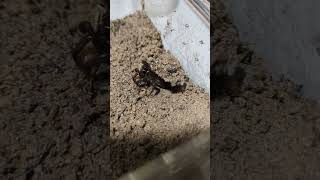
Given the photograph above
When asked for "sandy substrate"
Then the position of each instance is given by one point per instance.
(269, 131)
(144, 126)
(52, 126)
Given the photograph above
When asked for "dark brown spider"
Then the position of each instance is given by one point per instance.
(146, 77)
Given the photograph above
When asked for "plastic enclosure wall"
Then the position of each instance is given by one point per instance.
(183, 33)
(286, 34)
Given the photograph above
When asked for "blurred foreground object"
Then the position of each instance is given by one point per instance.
(190, 161)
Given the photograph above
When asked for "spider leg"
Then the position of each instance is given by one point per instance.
(154, 89)
(141, 83)
(157, 90)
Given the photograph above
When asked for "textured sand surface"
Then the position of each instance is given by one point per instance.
(52, 126)
(144, 126)
(268, 131)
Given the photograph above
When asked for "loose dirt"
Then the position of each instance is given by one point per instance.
(143, 125)
(268, 131)
(52, 126)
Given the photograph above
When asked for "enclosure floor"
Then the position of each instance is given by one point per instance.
(267, 132)
(143, 125)
(51, 125)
